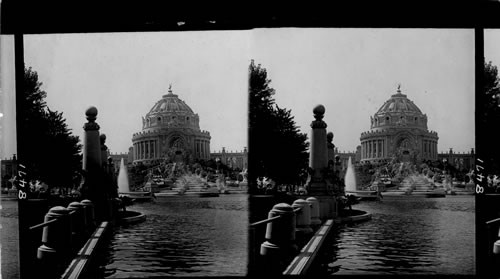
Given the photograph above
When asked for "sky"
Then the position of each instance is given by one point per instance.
(125, 74)
(491, 44)
(8, 145)
(352, 72)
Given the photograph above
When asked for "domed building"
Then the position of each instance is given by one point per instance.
(170, 131)
(398, 129)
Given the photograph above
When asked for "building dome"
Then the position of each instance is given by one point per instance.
(170, 103)
(399, 103)
(398, 130)
(169, 112)
(399, 111)
(170, 131)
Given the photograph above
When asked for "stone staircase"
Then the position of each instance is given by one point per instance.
(421, 184)
(190, 183)
(407, 185)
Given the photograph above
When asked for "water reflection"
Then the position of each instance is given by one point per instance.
(417, 236)
(183, 236)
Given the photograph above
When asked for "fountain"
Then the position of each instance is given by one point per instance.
(350, 185)
(124, 187)
(350, 178)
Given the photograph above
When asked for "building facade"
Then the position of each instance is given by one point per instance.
(461, 161)
(232, 159)
(117, 159)
(8, 170)
(398, 130)
(170, 131)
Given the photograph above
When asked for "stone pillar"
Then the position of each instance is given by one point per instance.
(150, 148)
(94, 187)
(208, 150)
(139, 150)
(203, 149)
(91, 142)
(318, 158)
(365, 150)
(382, 143)
(198, 149)
(318, 162)
(143, 147)
(369, 149)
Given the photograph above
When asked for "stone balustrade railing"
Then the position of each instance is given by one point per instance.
(289, 227)
(65, 231)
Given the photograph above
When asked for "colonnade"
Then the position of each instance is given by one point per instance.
(147, 149)
(150, 149)
(373, 149)
(429, 148)
(202, 148)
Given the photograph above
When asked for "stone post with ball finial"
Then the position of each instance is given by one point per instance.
(318, 163)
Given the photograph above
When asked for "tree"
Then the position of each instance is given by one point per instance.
(277, 149)
(488, 110)
(45, 143)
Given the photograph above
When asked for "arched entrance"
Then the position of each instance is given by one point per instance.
(405, 156)
(406, 149)
(177, 149)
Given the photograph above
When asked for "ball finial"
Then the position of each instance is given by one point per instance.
(91, 113)
(337, 158)
(329, 136)
(319, 111)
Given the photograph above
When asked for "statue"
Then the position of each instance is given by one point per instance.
(331, 149)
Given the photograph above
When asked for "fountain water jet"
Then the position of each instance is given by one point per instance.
(350, 185)
(350, 177)
(123, 185)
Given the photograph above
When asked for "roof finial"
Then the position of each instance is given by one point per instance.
(399, 88)
(170, 89)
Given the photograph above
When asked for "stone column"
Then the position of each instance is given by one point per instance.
(382, 143)
(143, 147)
(92, 144)
(370, 149)
(150, 149)
(139, 150)
(318, 162)
(205, 149)
(208, 150)
(94, 188)
(364, 150)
